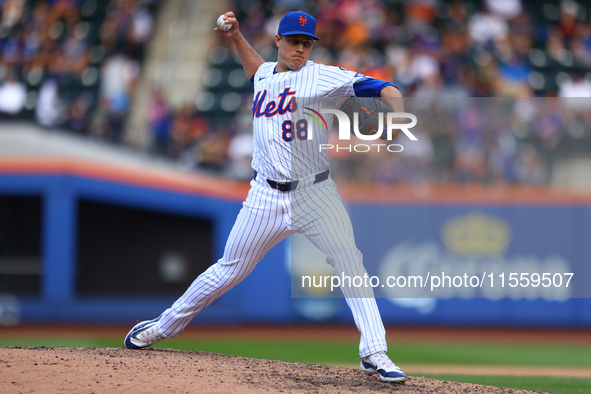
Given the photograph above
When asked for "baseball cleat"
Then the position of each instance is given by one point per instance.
(381, 364)
(143, 334)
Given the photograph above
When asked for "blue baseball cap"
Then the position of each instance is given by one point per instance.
(297, 22)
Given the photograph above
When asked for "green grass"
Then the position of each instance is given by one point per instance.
(474, 354)
(551, 385)
(72, 341)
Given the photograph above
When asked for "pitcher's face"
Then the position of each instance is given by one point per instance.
(294, 51)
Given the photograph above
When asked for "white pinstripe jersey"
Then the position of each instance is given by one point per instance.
(314, 86)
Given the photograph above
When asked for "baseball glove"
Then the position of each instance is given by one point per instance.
(368, 118)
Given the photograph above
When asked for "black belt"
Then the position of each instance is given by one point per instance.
(289, 186)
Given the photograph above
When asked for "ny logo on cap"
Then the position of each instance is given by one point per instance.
(303, 20)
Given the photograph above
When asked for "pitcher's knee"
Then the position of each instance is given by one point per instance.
(229, 273)
(350, 256)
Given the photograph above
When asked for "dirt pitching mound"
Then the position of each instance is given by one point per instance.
(111, 370)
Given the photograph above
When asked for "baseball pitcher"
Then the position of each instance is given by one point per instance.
(291, 190)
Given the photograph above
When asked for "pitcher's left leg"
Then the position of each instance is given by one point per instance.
(325, 222)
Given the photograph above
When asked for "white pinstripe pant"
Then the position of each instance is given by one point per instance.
(267, 217)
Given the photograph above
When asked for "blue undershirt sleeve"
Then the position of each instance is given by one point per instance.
(370, 87)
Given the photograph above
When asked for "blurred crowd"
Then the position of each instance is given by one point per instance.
(521, 49)
(466, 140)
(73, 63)
(430, 48)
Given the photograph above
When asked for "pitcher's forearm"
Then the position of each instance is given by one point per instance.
(392, 97)
(251, 60)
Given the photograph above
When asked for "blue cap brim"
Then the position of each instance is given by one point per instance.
(303, 33)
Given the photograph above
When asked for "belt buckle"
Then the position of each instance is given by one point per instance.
(284, 186)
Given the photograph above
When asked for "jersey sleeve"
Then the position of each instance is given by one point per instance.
(337, 81)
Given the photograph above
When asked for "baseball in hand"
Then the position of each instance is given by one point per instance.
(223, 25)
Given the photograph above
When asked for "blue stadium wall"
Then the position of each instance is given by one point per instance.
(560, 231)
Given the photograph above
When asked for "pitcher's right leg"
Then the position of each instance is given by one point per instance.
(260, 225)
